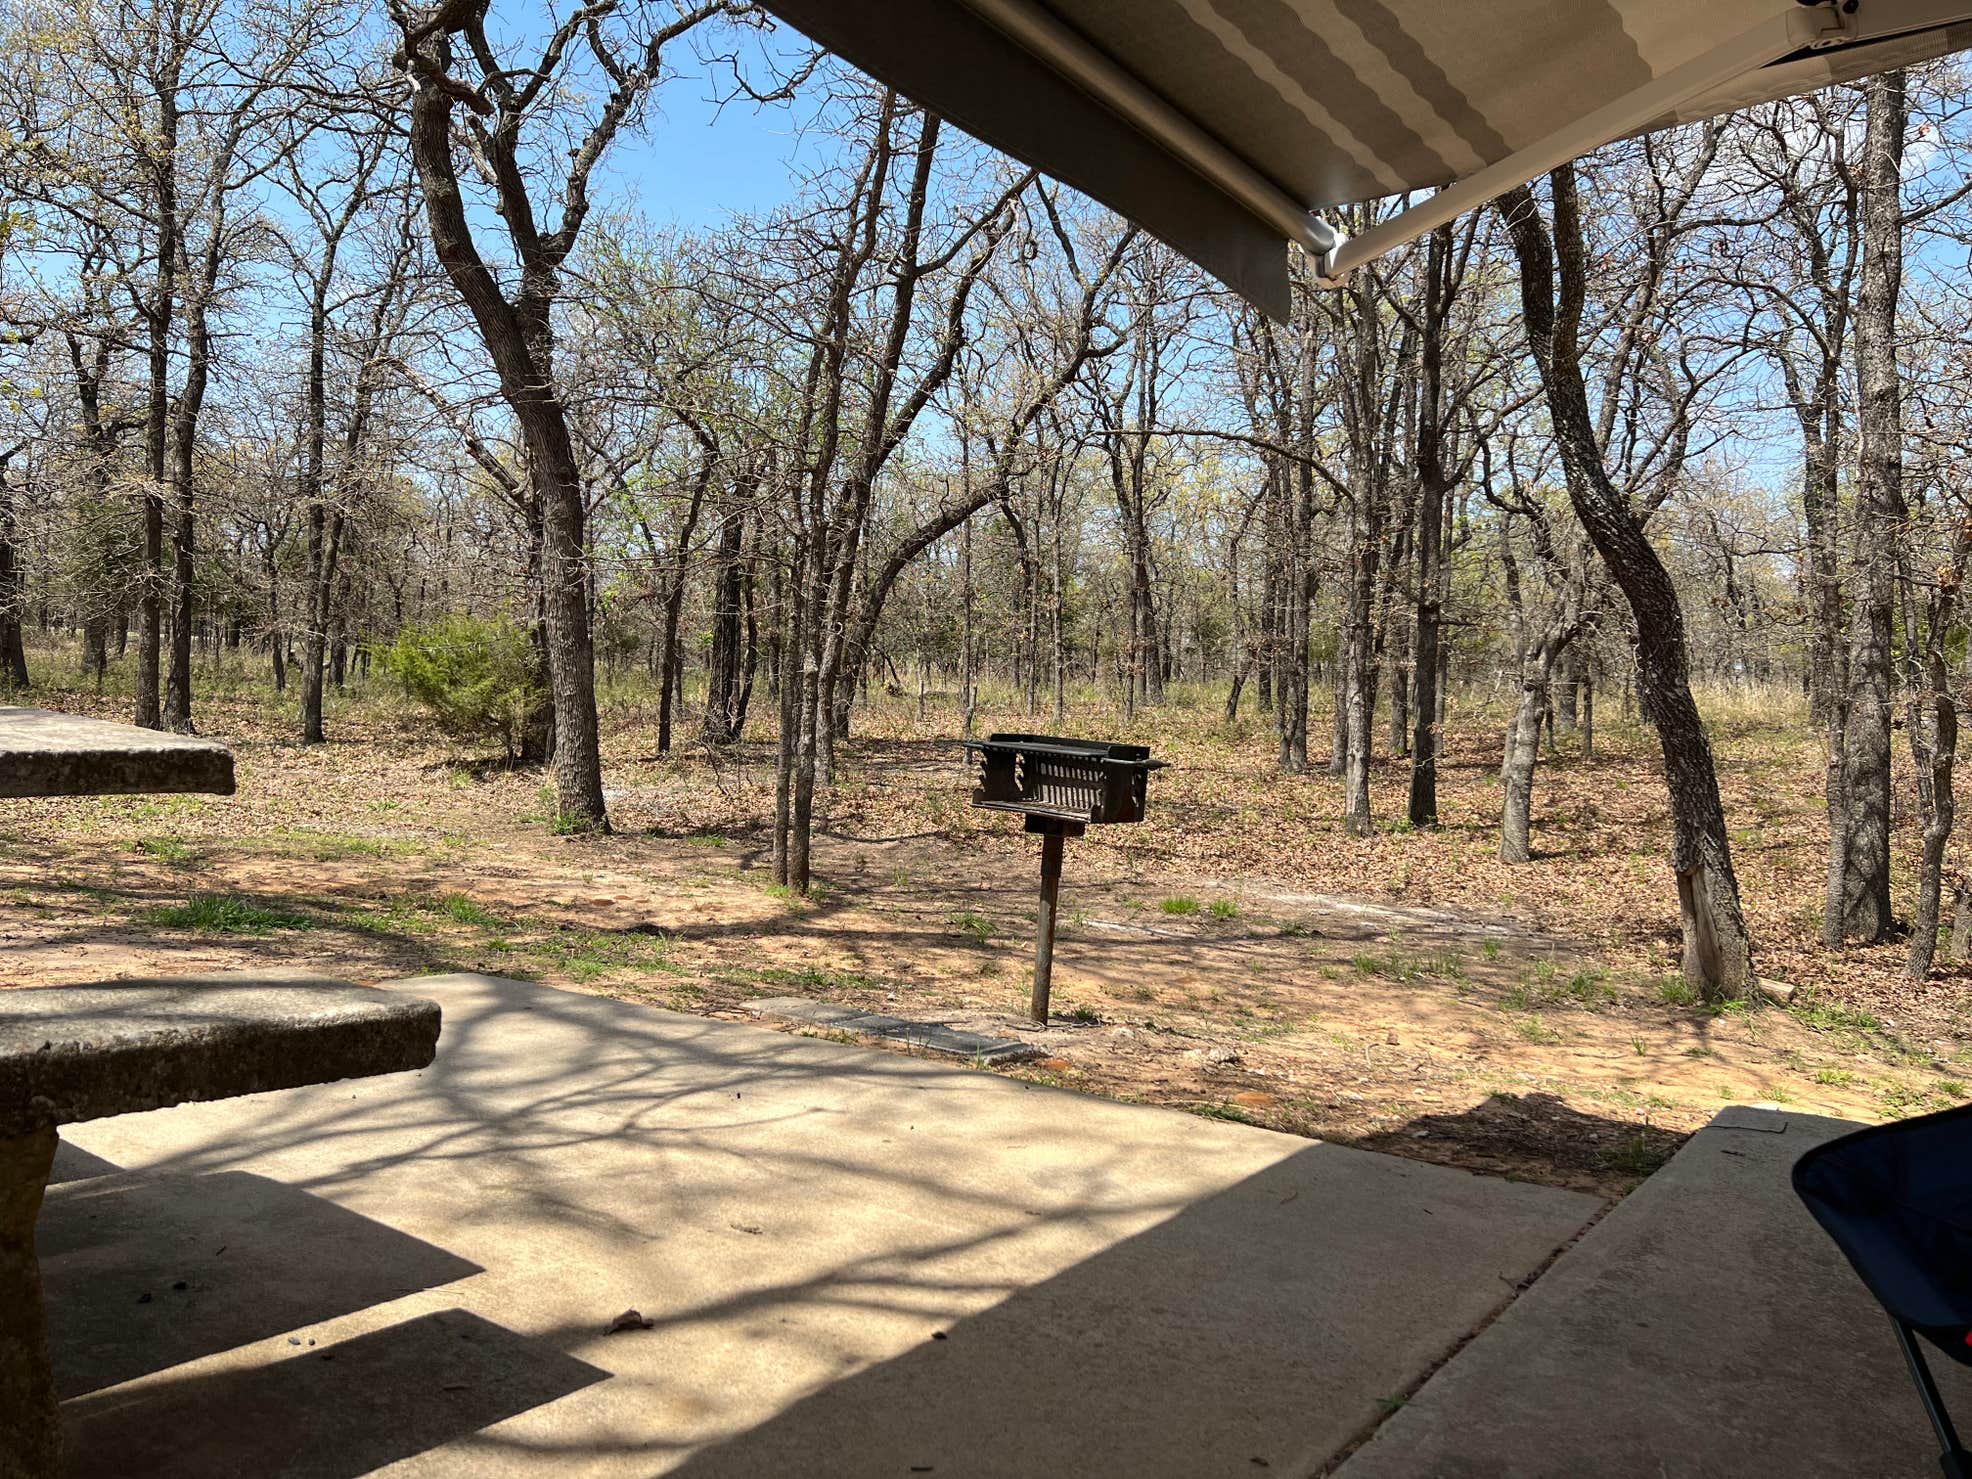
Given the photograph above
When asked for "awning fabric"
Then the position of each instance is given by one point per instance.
(1220, 125)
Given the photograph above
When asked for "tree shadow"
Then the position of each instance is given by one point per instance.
(1513, 1133)
(800, 1219)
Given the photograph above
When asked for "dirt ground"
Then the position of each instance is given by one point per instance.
(1235, 955)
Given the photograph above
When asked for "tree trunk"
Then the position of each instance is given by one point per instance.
(13, 653)
(1523, 753)
(1432, 489)
(1865, 871)
(1359, 672)
(520, 342)
(1718, 956)
(724, 675)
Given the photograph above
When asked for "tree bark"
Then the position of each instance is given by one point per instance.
(1865, 874)
(1718, 955)
(519, 340)
(13, 652)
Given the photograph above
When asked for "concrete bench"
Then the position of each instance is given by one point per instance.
(71, 1053)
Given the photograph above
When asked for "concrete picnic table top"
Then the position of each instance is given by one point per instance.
(49, 754)
(71, 1053)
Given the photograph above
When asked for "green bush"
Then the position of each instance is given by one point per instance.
(481, 679)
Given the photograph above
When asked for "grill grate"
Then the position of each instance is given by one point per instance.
(1064, 780)
(1060, 786)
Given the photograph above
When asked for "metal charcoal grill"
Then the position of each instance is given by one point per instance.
(1060, 786)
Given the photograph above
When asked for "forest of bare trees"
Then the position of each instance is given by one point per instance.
(321, 323)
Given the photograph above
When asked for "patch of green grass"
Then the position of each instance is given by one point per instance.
(586, 954)
(1838, 1078)
(1395, 965)
(1490, 949)
(1224, 909)
(1900, 1101)
(461, 909)
(760, 980)
(1854, 1029)
(795, 900)
(173, 850)
(1832, 1016)
(228, 914)
(1178, 904)
(707, 839)
(327, 847)
(1545, 986)
(1222, 1110)
(1086, 1016)
(971, 922)
(1534, 1030)
(1638, 1154)
(1675, 991)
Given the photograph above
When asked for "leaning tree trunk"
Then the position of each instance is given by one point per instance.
(184, 445)
(1718, 952)
(1432, 489)
(519, 338)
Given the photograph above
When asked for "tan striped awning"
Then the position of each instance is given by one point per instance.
(1225, 126)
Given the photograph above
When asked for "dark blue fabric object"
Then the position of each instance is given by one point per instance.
(1897, 1200)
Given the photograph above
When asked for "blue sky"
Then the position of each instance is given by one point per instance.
(695, 163)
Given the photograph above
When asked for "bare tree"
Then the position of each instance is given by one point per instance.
(511, 119)
(1554, 285)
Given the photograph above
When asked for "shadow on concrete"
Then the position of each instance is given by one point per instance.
(142, 1272)
(72, 1163)
(1259, 1330)
(1123, 1290)
(333, 1413)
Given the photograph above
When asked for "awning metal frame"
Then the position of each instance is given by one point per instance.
(1812, 25)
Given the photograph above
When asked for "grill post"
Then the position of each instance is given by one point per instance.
(1052, 840)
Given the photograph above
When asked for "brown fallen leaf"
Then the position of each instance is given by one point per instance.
(629, 1320)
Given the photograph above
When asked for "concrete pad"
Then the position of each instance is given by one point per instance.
(1120, 1290)
(1705, 1329)
(938, 1038)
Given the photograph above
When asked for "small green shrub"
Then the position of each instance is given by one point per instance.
(480, 679)
(1178, 904)
(1224, 909)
